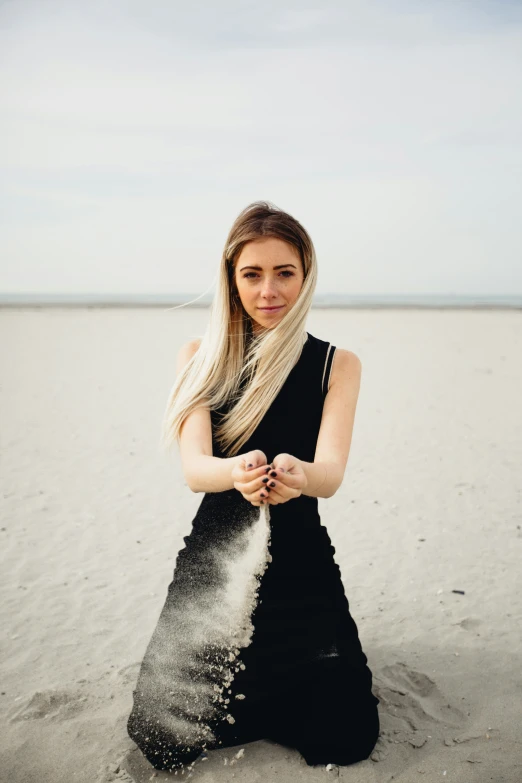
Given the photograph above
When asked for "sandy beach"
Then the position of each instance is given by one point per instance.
(426, 526)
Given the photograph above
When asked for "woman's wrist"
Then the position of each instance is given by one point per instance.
(316, 487)
(322, 479)
(305, 474)
(211, 474)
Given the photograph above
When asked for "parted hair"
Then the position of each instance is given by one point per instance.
(234, 366)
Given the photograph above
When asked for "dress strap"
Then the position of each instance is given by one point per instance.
(328, 368)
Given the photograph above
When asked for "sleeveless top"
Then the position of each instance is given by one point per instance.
(290, 425)
(295, 415)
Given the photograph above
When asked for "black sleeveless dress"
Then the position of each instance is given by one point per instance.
(255, 639)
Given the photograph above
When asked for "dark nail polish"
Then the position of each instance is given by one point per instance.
(267, 469)
(273, 473)
(268, 489)
(262, 494)
(249, 465)
(264, 480)
(272, 483)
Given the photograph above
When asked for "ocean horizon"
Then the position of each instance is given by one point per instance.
(320, 300)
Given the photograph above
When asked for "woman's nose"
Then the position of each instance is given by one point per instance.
(268, 288)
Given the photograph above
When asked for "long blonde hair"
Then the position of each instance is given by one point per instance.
(232, 364)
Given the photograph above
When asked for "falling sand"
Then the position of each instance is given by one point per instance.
(183, 687)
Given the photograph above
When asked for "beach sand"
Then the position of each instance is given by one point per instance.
(426, 526)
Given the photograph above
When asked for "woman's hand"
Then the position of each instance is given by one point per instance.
(286, 479)
(248, 474)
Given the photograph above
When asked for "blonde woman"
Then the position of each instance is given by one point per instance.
(255, 639)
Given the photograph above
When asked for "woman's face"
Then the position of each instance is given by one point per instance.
(269, 276)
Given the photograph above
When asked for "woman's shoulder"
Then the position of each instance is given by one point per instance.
(344, 361)
(186, 352)
(346, 367)
(344, 354)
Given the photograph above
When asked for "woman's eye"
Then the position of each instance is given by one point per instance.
(284, 273)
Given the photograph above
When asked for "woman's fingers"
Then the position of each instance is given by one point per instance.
(249, 481)
(260, 486)
(264, 494)
(274, 498)
(255, 483)
(277, 491)
(285, 478)
(254, 459)
(252, 484)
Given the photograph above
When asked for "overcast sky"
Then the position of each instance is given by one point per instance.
(132, 132)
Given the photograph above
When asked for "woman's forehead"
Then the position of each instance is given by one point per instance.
(267, 252)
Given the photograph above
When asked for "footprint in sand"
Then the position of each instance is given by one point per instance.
(114, 773)
(132, 767)
(469, 623)
(129, 673)
(412, 708)
(51, 704)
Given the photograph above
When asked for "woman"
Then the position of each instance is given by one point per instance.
(255, 640)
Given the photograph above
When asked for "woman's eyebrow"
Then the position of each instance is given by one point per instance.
(280, 266)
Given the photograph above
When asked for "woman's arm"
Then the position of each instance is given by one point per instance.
(325, 474)
(202, 471)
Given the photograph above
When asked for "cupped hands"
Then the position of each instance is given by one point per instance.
(263, 483)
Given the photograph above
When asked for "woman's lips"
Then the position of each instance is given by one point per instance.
(271, 309)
